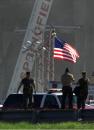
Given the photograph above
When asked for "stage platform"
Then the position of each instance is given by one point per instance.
(46, 115)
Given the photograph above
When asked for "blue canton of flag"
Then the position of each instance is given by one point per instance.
(62, 50)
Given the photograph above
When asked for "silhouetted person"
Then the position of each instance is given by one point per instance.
(83, 91)
(28, 86)
(67, 79)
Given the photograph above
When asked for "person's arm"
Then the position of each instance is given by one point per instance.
(73, 77)
(34, 86)
(19, 87)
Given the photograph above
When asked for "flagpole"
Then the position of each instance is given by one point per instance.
(53, 33)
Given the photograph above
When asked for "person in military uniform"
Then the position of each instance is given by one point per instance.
(28, 87)
(83, 83)
(67, 79)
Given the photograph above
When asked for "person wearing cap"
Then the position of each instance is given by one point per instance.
(83, 83)
(28, 87)
(67, 79)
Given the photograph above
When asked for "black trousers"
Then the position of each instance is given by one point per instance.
(67, 92)
(27, 100)
(81, 99)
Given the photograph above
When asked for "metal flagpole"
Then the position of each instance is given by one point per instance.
(53, 33)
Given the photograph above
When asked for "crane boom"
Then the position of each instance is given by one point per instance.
(33, 34)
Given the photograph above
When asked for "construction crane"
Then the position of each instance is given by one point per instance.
(32, 40)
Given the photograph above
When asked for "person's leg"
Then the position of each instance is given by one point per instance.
(64, 98)
(25, 101)
(70, 98)
(78, 102)
(79, 111)
(30, 94)
(30, 100)
(83, 104)
(83, 101)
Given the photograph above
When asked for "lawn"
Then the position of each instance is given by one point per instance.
(63, 125)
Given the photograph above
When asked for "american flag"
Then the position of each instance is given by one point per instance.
(62, 50)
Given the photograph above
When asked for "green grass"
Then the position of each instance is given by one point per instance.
(65, 125)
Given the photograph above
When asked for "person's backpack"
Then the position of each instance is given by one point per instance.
(76, 90)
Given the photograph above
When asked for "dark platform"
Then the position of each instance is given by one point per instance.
(38, 115)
